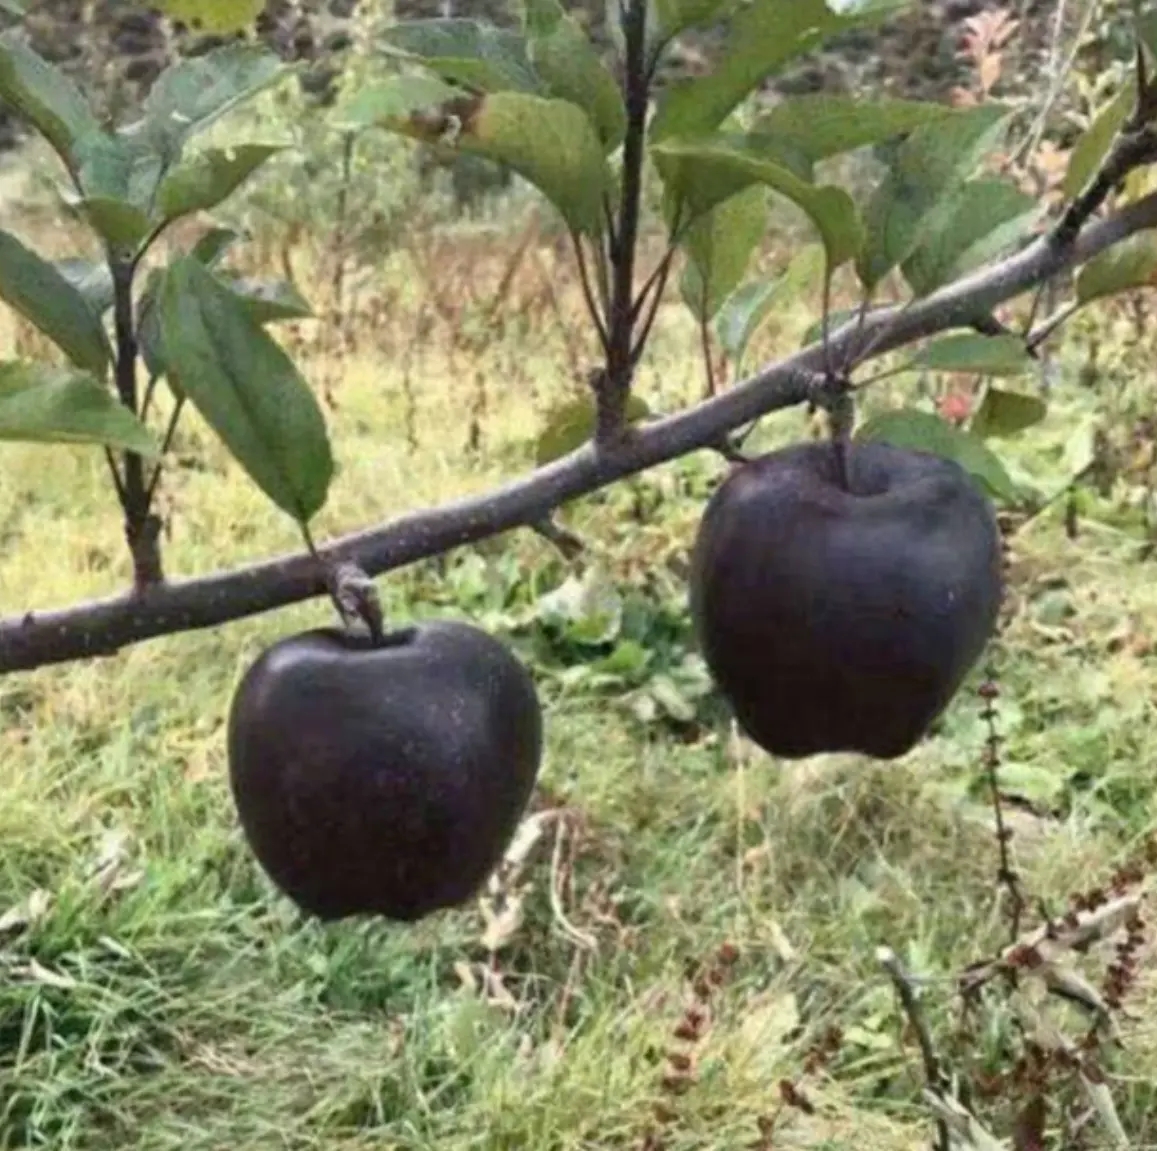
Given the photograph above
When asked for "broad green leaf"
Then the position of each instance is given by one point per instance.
(40, 403)
(1130, 264)
(220, 16)
(269, 300)
(395, 100)
(985, 216)
(763, 36)
(193, 93)
(1146, 28)
(822, 125)
(551, 143)
(44, 96)
(704, 174)
(47, 299)
(472, 53)
(120, 224)
(836, 320)
(1095, 142)
(571, 69)
(925, 432)
(1002, 355)
(719, 247)
(213, 245)
(572, 423)
(744, 311)
(149, 334)
(202, 181)
(1004, 413)
(120, 167)
(926, 171)
(92, 279)
(246, 387)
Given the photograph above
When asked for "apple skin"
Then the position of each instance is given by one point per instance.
(838, 620)
(383, 780)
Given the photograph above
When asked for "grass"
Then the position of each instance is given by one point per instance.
(157, 994)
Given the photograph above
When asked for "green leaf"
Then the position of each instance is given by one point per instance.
(1002, 355)
(985, 216)
(120, 224)
(571, 69)
(763, 36)
(195, 92)
(744, 311)
(44, 96)
(925, 432)
(1146, 28)
(836, 320)
(219, 16)
(92, 279)
(1094, 143)
(704, 174)
(394, 101)
(45, 297)
(214, 244)
(821, 125)
(40, 403)
(149, 334)
(201, 182)
(269, 300)
(121, 167)
(13, 7)
(1130, 264)
(719, 246)
(1004, 413)
(572, 424)
(246, 387)
(472, 53)
(918, 190)
(551, 143)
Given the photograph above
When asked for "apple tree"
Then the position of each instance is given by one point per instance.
(840, 591)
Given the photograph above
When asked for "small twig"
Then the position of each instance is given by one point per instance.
(705, 347)
(564, 539)
(910, 1002)
(166, 443)
(588, 293)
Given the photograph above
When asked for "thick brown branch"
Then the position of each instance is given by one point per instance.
(102, 627)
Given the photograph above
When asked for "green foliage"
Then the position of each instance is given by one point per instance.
(1005, 413)
(213, 15)
(719, 246)
(246, 387)
(1095, 142)
(1125, 266)
(42, 293)
(1002, 355)
(42, 404)
(571, 424)
(927, 432)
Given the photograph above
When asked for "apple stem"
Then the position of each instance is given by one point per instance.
(842, 414)
(356, 596)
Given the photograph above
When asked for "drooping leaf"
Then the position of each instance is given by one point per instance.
(745, 310)
(122, 167)
(246, 387)
(821, 125)
(571, 69)
(572, 423)
(1003, 355)
(1130, 264)
(719, 247)
(925, 432)
(202, 181)
(472, 53)
(40, 403)
(47, 299)
(985, 216)
(149, 334)
(926, 171)
(44, 96)
(551, 143)
(1003, 413)
(704, 174)
(763, 36)
(267, 301)
(92, 279)
(1094, 144)
(220, 16)
(120, 224)
(388, 103)
(193, 93)
(671, 17)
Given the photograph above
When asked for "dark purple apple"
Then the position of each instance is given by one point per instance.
(383, 779)
(838, 619)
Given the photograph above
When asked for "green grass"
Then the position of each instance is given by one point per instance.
(162, 996)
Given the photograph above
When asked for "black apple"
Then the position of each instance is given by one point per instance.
(383, 778)
(838, 619)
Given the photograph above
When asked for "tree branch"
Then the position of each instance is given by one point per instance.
(102, 627)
